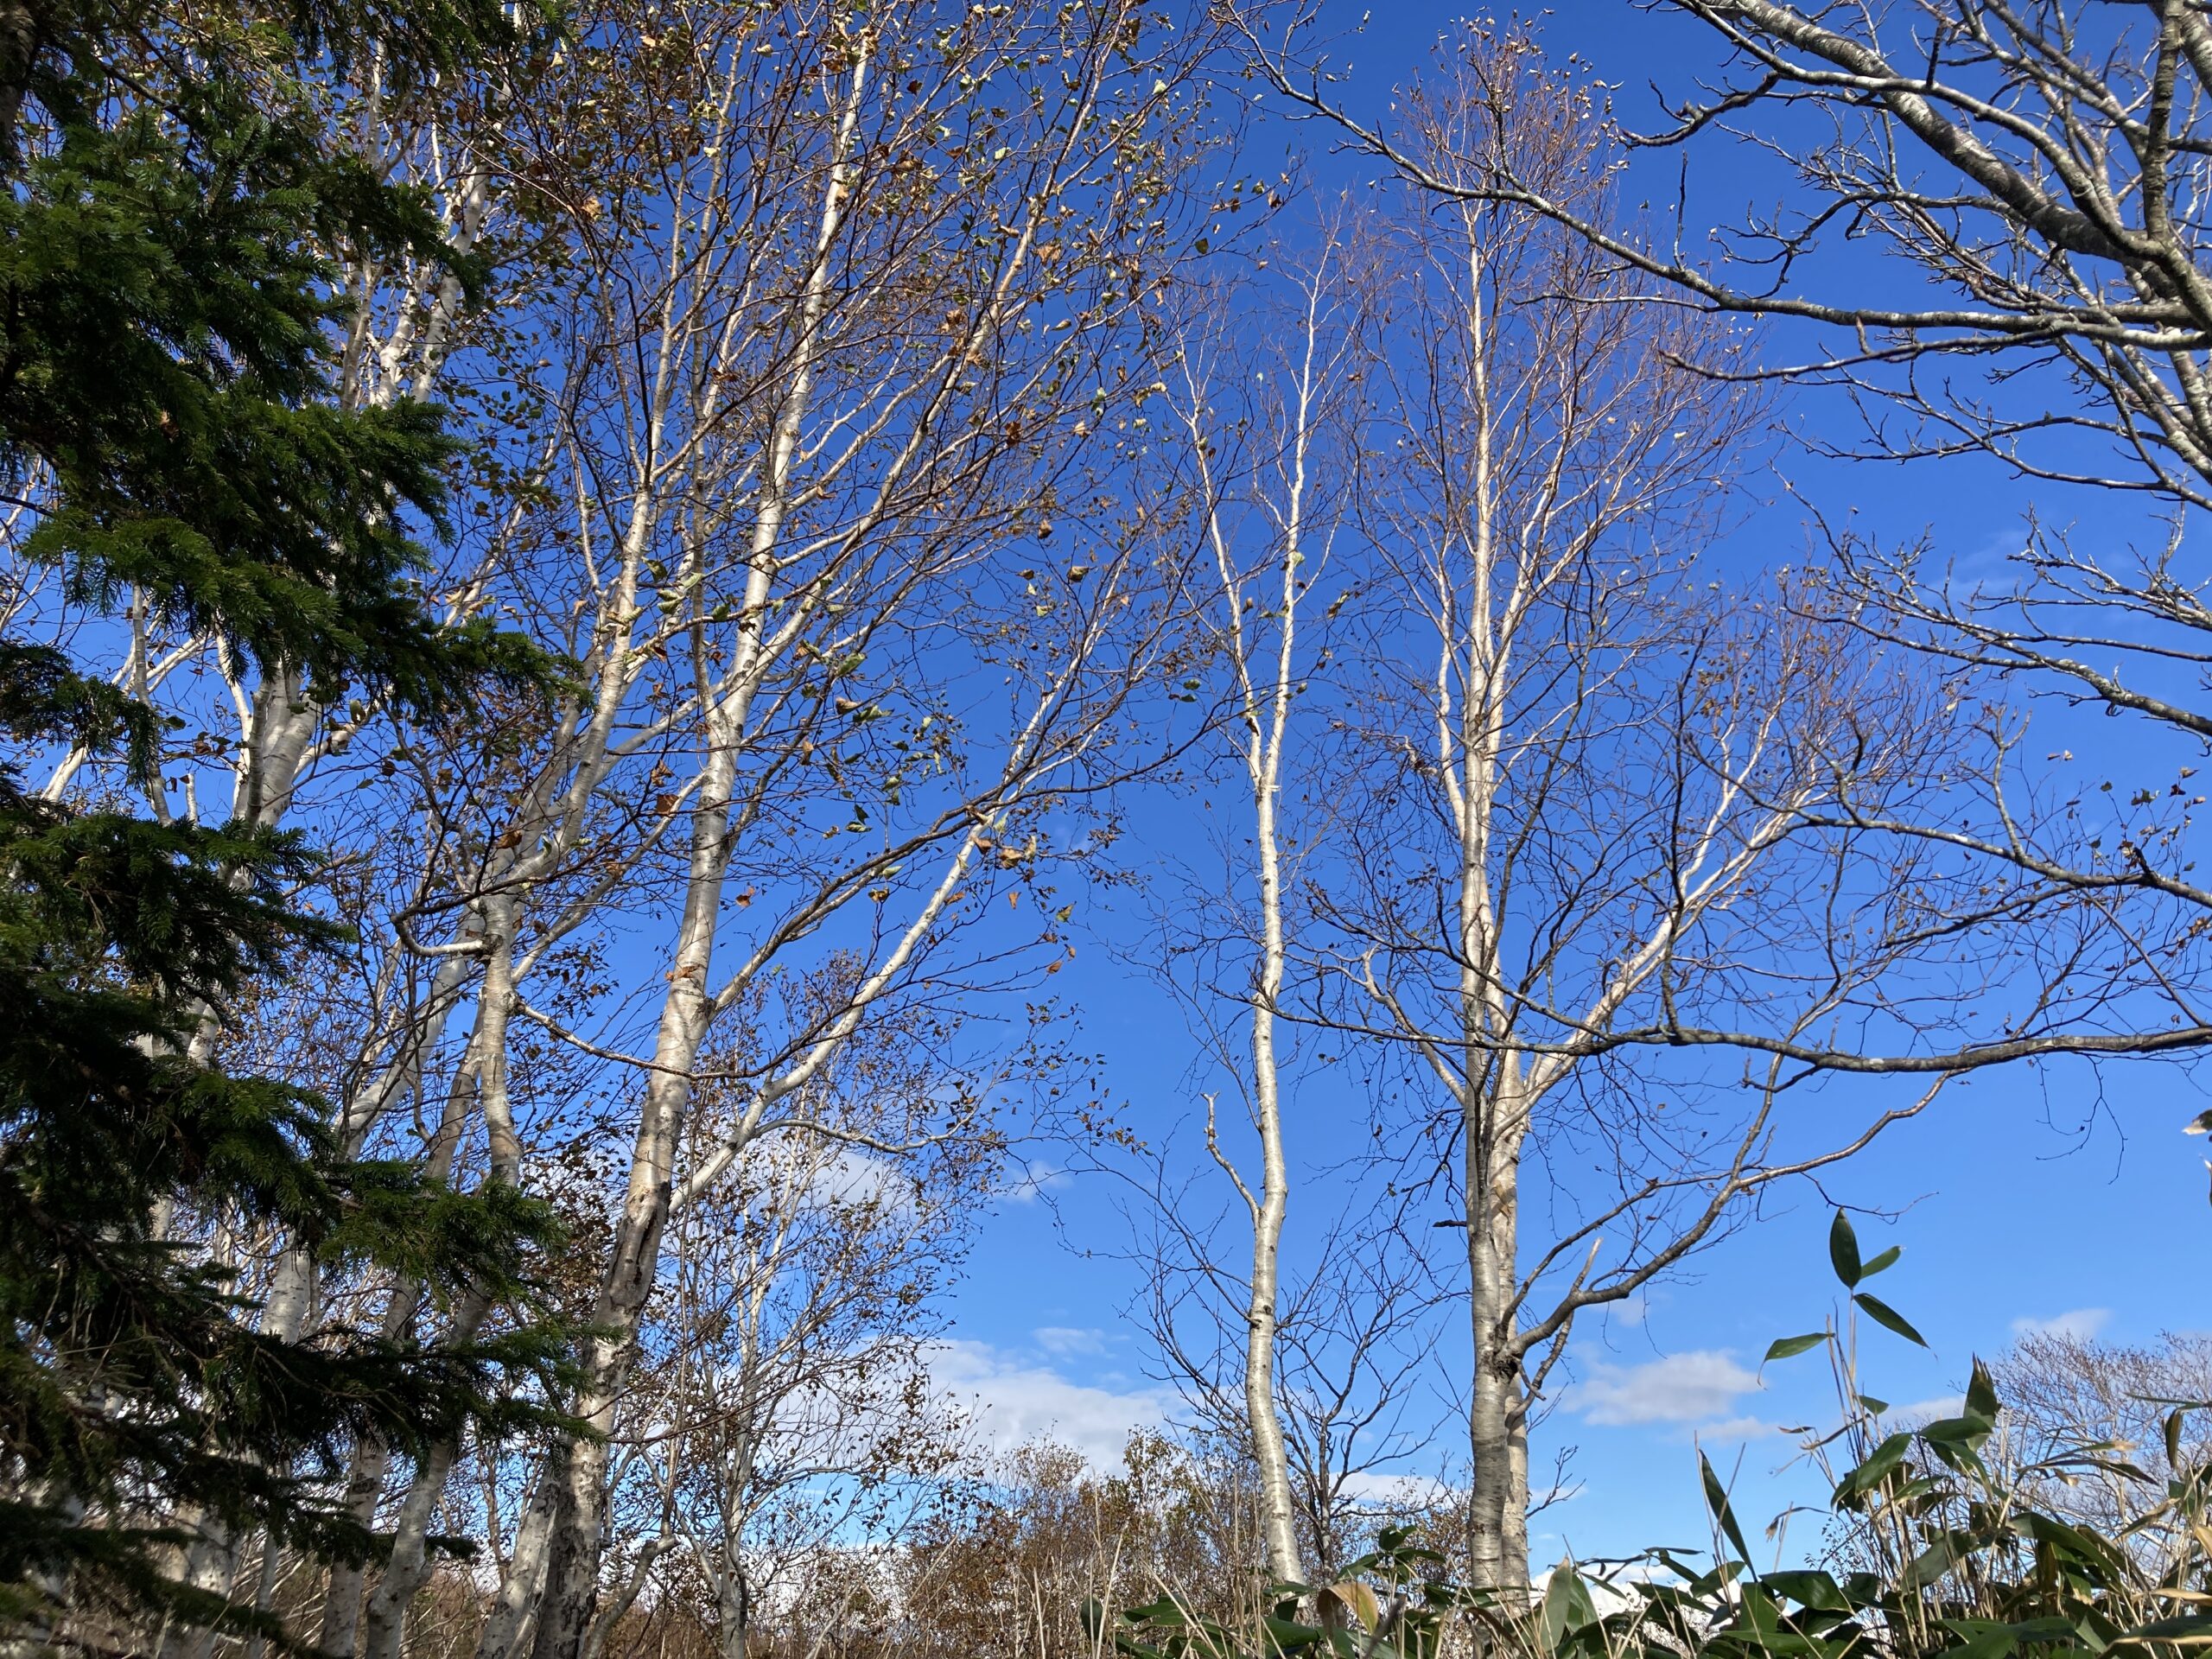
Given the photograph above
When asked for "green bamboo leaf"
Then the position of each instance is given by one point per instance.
(1874, 1471)
(1968, 1430)
(1716, 1496)
(1566, 1608)
(2041, 1629)
(1993, 1642)
(1808, 1588)
(1887, 1259)
(1982, 1393)
(2182, 1627)
(1790, 1347)
(1930, 1564)
(1843, 1250)
(2119, 1466)
(1882, 1313)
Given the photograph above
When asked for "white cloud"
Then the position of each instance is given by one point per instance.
(1394, 1492)
(852, 1178)
(1927, 1411)
(789, 1171)
(1025, 1180)
(2077, 1324)
(1011, 1401)
(1679, 1389)
(1739, 1428)
(1062, 1340)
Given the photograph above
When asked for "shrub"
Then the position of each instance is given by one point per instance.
(1942, 1544)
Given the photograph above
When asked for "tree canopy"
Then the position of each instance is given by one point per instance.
(169, 415)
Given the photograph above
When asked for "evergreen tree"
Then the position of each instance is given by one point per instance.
(167, 420)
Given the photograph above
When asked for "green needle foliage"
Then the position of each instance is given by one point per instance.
(168, 420)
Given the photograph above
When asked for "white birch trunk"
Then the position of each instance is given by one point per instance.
(1259, 630)
(563, 1528)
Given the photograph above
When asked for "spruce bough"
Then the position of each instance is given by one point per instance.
(169, 432)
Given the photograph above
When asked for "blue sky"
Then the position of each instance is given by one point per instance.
(2026, 1197)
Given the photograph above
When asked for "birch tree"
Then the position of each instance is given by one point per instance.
(2028, 178)
(821, 505)
(1262, 420)
(789, 1406)
(1577, 786)
(1309, 1345)
(808, 480)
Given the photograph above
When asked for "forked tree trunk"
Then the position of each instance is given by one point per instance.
(559, 1545)
(561, 1542)
(384, 1622)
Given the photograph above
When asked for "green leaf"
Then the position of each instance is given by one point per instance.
(1877, 1407)
(1967, 1430)
(1790, 1347)
(2182, 1627)
(1843, 1250)
(1982, 1393)
(1567, 1608)
(1716, 1496)
(1993, 1642)
(1289, 1636)
(1811, 1589)
(2119, 1466)
(2075, 1546)
(1887, 1259)
(1874, 1471)
(2036, 1629)
(1883, 1314)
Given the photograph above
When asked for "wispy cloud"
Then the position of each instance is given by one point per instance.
(1062, 1340)
(1394, 1492)
(1927, 1411)
(852, 1178)
(1026, 1180)
(2080, 1323)
(1012, 1401)
(1992, 566)
(1739, 1428)
(1680, 1388)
